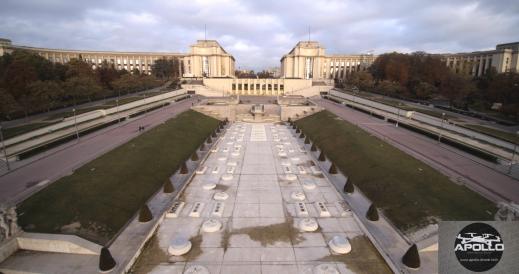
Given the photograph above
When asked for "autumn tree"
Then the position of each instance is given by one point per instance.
(165, 68)
(8, 104)
(81, 87)
(46, 93)
(361, 79)
(456, 88)
(106, 73)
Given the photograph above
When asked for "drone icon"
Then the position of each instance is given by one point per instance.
(475, 238)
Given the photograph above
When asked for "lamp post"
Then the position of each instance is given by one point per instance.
(117, 110)
(513, 156)
(440, 135)
(398, 118)
(75, 124)
(3, 148)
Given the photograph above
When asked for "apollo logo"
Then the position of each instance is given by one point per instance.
(478, 247)
(476, 242)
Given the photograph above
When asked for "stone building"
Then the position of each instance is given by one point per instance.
(504, 58)
(206, 58)
(308, 60)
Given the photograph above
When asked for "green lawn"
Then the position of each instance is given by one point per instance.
(104, 194)
(19, 130)
(504, 135)
(408, 190)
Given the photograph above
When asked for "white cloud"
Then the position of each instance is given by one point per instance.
(258, 33)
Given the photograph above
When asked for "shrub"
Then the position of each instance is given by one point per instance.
(313, 148)
(302, 135)
(333, 169)
(307, 140)
(183, 168)
(372, 213)
(145, 214)
(321, 158)
(106, 261)
(168, 187)
(349, 187)
(194, 157)
(411, 257)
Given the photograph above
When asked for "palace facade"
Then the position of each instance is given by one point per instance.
(505, 58)
(206, 58)
(308, 60)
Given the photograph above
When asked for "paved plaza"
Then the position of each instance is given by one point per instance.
(271, 185)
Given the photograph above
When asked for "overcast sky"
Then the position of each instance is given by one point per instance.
(259, 32)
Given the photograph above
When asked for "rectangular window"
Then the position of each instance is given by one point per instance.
(233, 86)
(308, 68)
(281, 87)
(257, 86)
(205, 65)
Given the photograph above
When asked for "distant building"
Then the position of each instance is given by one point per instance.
(308, 60)
(503, 59)
(205, 59)
(274, 71)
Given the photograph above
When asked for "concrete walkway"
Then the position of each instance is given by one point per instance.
(260, 167)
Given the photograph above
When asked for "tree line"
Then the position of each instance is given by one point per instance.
(424, 76)
(31, 84)
(264, 74)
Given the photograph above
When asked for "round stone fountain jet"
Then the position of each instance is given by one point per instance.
(227, 177)
(326, 269)
(196, 269)
(291, 177)
(179, 246)
(298, 195)
(209, 186)
(211, 225)
(221, 196)
(340, 245)
(309, 185)
(308, 224)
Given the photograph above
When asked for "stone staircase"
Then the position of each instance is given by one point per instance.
(247, 117)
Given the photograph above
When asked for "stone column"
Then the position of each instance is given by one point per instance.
(480, 69)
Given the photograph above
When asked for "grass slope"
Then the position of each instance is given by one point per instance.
(105, 193)
(19, 130)
(408, 190)
(503, 135)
